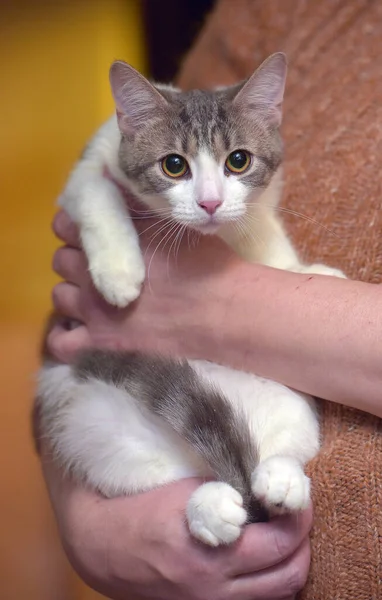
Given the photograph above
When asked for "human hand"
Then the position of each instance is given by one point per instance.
(172, 303)
(139, 547)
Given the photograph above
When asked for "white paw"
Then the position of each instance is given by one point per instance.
(118, 279)
(280, 483)
(215, 514)
(319, 269)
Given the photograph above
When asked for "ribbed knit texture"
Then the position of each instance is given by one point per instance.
(333, 135)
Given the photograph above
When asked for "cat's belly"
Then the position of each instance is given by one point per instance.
(107, 438)
(270, 407)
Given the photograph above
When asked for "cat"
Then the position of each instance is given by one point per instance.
(125, 422)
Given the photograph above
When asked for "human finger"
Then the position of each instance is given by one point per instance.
(279, 582)
(264, 545)
(66, 300)
(64, 344)
(65, 229)
(70, 264)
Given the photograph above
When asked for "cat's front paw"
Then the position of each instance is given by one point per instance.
(279, 482)
(215, 514)
(319, 269)
(117, 279)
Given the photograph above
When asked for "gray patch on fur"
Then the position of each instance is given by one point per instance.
(201, 415)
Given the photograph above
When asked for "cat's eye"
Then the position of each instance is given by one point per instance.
(238, 161)
(175, 165)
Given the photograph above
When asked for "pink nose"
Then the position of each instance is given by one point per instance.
(210, 206)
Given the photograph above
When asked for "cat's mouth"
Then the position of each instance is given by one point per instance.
(208, 228)
(210, 225)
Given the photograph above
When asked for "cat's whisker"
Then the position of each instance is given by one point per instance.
(162, 229)
(163, 233)
(151, 211)
(152, 257)
(173, 226)
(295, 213)
(188, 238)
(166, 224)
(251, 233)
(192, 237)
(177, 235)
(180, 238)
(174, 229)
(197, 238)
(173, 245)
(162, 213)
(240, 227)
(151, 216)
(155, 224)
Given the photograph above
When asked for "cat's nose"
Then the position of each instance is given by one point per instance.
(210, 206)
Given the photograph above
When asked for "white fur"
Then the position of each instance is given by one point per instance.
(281, 484)
(107, 232)
(215, 513)
(108, 439)
(103, 434)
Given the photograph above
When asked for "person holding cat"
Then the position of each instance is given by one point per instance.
(273, 334)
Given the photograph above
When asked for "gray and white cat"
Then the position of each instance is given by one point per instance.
(126, 422)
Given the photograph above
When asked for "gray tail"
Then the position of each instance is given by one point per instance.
(199, 413)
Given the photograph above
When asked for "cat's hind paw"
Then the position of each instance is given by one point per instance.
(117, 281)
(215, 514)
(279, 482)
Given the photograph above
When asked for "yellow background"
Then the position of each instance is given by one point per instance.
(54, 93)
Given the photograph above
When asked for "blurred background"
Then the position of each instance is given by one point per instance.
(54, 93)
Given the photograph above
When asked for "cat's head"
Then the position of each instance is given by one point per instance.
(202, 155)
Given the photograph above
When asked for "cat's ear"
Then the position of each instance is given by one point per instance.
(136, 100)
(264, 90)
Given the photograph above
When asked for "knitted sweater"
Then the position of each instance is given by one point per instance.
(333, 135)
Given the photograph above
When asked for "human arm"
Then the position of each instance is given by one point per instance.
(318, 334)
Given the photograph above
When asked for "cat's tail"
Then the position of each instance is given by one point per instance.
(198, 412)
